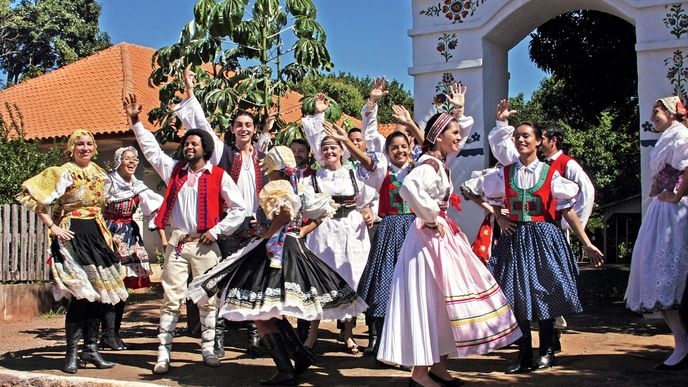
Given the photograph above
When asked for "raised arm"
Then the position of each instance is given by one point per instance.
(161, 162)
(501, 137)
(191, 114)
(457, 97)
(339, 134)
(403, 116)
(313, 125)
(374, 140)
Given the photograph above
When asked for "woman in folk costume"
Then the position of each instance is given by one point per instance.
(533, 262)
(277, 275)
(84, 267)
(396, 218)
(125, 194)
(659, 265)
(443, 301)
(343, 241)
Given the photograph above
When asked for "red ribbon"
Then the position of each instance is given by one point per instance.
(455, 201)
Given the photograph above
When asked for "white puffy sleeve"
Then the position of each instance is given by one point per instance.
(415, 191)
(502, 143)
(374, 140)
(493, 187)
(316, 205)
(191, 114)
(312, 127)
(564, 191)
(679, 157)
(376, 177)
(150, 202)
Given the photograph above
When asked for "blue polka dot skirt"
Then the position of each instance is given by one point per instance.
(377, 276)
(537, 272)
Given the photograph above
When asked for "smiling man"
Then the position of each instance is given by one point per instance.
(197, 195)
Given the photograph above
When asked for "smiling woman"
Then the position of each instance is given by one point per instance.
(83, 265)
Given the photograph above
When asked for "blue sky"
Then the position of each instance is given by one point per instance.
(363, 37)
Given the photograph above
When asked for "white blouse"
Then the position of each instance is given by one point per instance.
(338, 183)
(671, 148)
(423, 188)
(563, 190)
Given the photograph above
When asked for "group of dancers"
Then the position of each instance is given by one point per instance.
(258, 235)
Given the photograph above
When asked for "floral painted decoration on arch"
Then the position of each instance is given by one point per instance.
(446, 43)
(454, 10)
(676, 20)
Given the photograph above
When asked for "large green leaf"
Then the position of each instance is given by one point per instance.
(202, 11)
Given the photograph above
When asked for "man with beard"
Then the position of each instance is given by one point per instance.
(302, 156)
(197, 195)
(241, 161)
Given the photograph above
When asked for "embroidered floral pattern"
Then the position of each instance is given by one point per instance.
(676, 20)
(454, 10)
(446, 43)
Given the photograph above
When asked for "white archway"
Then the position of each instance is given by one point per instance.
(469, 41)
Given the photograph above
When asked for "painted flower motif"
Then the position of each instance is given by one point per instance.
(439, 99)
(440, 47)
(452, 44)
(678, 57)
(671, 21)
(684, 23)
(447, 78)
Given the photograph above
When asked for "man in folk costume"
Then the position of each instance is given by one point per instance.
(302, 156)
(505, 152)
(241, 161)
(197, 195)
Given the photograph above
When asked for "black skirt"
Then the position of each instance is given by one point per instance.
(305, 287)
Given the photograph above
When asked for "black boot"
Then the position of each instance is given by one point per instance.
(546, 330)
(303, 327)
(73, 333)
(524, 363)
(119, 312)
(107, 339)
(90, 353)
(372, 337)
(253, 348)
(219, 346)
(556, 342)
(275, 345)
(303, 358)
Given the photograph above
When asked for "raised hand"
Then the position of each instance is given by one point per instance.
(132, 108)
(189, 80)
(401, 115)
(379, 89)
(321, 103)
(335, 131)
(503, 111)
(457, 95)
(270, 122)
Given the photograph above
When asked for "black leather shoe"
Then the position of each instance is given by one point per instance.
(90, 355)
(413, 383)
(392, 367)
(454, 382)
(680, 365)
(546, 359)
(277, 348)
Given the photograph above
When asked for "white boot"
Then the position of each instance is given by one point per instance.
(207, 317)
(167, 330)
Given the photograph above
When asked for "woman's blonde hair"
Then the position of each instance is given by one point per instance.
(74, 137)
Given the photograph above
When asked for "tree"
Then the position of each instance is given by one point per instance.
(46, 34)
(349, 101)
(16, 150)
(243, 58)
(593, 55)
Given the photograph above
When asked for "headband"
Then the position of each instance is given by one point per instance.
(440, 124)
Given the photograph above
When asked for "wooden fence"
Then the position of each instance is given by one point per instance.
(24, 246)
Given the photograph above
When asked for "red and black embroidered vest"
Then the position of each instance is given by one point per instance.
(535, 204)
(209, 203)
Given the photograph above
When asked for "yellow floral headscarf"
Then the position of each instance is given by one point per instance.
(71, 143)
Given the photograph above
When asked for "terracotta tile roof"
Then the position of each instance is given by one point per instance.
(87, 94)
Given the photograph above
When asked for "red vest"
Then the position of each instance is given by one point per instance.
(209, 203)
(391, 202)
(560, 163)
(535, 204)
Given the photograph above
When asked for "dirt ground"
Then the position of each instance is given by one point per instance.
(606, 345)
